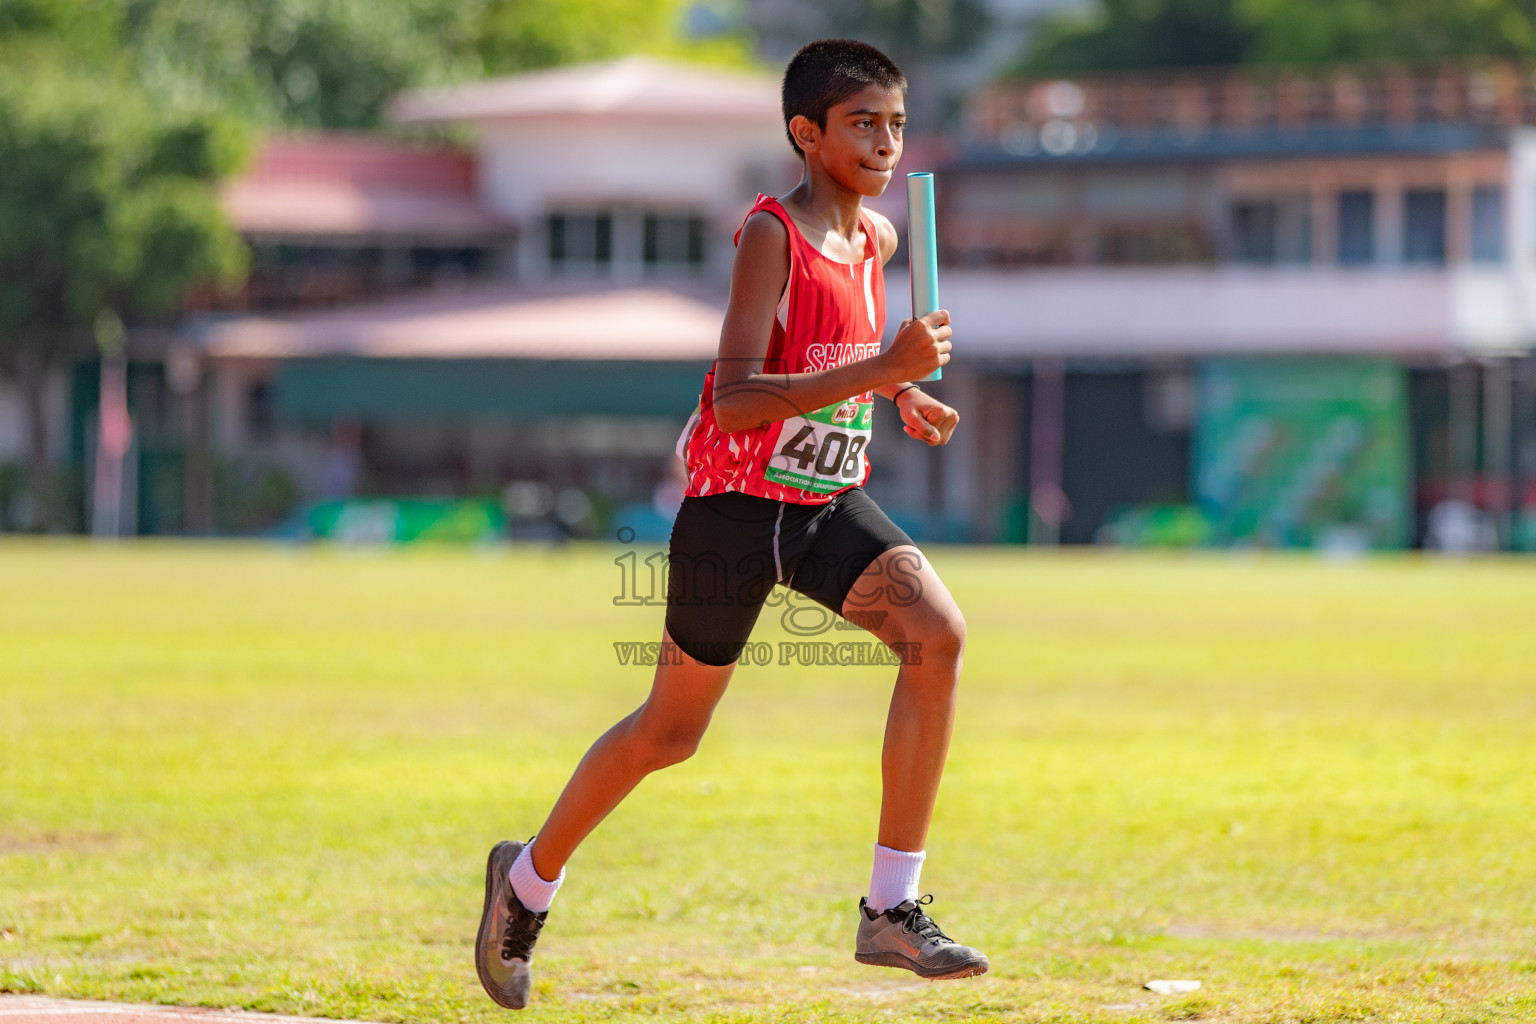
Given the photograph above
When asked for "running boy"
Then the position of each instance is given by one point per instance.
(776, 462)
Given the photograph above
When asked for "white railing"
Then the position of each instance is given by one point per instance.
(1120, 311)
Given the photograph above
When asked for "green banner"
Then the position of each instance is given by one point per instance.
(406, 520)
(1304, 452)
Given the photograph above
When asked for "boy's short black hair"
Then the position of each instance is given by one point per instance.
(827, 72)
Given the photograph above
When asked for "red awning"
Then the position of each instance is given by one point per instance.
(487, 323)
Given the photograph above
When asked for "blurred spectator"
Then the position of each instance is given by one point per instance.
(1460, 528)
(342, 468)
(667, 497)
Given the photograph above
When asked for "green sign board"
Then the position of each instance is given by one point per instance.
(406, 520)
(1303, 452)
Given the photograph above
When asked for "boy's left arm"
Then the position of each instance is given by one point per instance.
(922, 416)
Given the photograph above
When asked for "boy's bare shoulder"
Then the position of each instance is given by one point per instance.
(885, 234)
(763, 229)
(762, 253)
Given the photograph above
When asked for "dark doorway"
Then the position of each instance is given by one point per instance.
(1126, 443)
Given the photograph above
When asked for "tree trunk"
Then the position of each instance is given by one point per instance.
(32, 375)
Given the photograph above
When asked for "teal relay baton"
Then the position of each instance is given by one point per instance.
(923, 249)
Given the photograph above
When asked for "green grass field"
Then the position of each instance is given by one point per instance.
(267, 778)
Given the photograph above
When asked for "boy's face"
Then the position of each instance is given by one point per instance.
(861, 143)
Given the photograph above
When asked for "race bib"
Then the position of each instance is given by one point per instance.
(822, 451)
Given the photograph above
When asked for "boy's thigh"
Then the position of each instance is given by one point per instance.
(901, 599)
(854, 535)
(720, 569)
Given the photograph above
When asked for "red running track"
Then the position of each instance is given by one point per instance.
(42, 1010)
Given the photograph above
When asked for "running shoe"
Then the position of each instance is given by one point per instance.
(906, 937)
(508, 931)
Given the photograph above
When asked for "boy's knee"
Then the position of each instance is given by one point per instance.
(944, 639)
(666, 747)
(676, 750)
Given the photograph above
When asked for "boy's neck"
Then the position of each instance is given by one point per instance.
(821, 201)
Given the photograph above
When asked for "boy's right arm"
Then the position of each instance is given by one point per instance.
(745, 396)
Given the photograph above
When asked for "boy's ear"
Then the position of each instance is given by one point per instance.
(807, 133)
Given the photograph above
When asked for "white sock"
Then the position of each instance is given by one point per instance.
(532, 891)
(894, 879)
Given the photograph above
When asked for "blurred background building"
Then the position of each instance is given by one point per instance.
(1195, 305)
(537, 309)
(1299, 304)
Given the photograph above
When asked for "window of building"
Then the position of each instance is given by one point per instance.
(1254, 231)
(581, 238)
(325, 272)
(1424, 226)
(260, 411)
(1357, 228)
(628, 238)
(1293, 230)
(673, 239)
(1273, 230)
(1487, 244)
(1150, 243)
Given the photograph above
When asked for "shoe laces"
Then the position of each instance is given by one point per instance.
(914, 920)
(522, 930)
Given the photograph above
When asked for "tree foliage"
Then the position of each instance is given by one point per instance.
(937, 43)
(1119, 34)
(336, 63)
(297, 62)
(515, 35)
(911, 31)
(107, 199)
(118, 117)
(107, 209)
(1296, 32)
(1122, 34)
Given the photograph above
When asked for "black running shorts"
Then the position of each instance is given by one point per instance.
(728, 550)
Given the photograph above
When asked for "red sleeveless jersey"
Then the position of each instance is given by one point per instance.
(830, 314)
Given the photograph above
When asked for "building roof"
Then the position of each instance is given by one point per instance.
(491, 322)
(630, 87)
(353, 187)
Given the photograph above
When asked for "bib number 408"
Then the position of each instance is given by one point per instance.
(838, 456)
